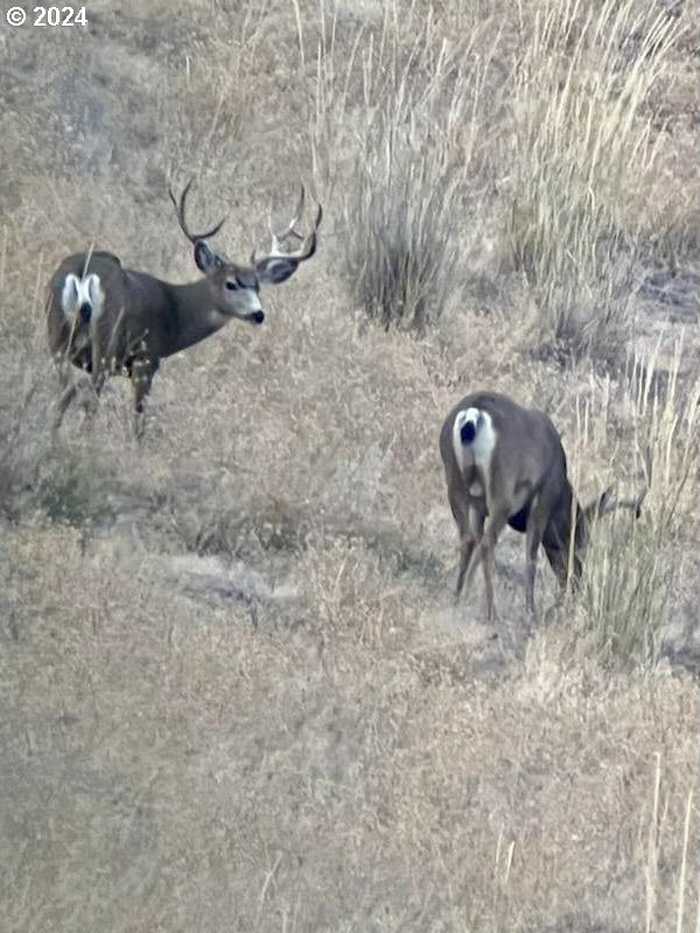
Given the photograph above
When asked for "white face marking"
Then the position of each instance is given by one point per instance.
(240, 302)
(478, 451)
(250, 300)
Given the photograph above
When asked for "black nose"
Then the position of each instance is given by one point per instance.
(467, 433)
(258, 317)
(85, 312)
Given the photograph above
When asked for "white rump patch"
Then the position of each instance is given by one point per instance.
(69, 296)
(478, 451)
(77, 292)
(96, 295)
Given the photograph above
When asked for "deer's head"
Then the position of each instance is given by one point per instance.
(557, 538)
(233, 288)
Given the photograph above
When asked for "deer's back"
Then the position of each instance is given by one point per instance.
(528, 444)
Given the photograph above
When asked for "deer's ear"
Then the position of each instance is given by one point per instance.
(275, 269)
(205, 257)
(607, 502)
(601, 506)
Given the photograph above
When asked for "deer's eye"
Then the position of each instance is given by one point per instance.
(231, 284)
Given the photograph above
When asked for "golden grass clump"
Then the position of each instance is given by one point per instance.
(635, 571)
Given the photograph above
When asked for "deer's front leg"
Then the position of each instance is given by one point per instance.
(536, 524)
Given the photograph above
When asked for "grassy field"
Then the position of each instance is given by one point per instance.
(236, 693)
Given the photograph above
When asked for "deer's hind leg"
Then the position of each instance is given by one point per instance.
(68, 393)
(470, 524)
(71, 381)
(467, 545)
(141, 369)
(486, 556)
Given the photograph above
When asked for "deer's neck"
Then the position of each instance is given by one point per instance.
(195, 316)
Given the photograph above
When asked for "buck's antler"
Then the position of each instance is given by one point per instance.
(612, 502)
(278, 265)
(308, 243)
(277, 238)
(180, 211)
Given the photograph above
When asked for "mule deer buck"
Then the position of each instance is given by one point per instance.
(104, 318)
(505, 465)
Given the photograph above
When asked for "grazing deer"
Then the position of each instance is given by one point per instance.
(505, 465)
(104, 318)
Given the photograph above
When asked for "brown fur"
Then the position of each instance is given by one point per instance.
(528, 489)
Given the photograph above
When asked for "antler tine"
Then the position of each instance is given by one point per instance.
(308, 243)
(278, 238)
(648, 458)
(634, 504)
(291, 259)
(180, 211)
(319, 218)
(637, 501)
(309, 247)
(180, 208)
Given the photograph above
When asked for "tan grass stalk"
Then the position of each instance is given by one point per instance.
(684, 864)
(585, 158)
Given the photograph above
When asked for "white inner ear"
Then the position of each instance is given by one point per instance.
(70, 296)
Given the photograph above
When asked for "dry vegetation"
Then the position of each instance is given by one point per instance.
(235, 693)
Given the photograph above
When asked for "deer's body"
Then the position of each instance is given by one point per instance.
(154, 316)
(505, 465)
(104, 318)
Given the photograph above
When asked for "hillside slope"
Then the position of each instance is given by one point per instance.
(236, 691)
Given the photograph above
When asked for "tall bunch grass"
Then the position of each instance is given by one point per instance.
(585, 161)
(633, 569)
(397, 119)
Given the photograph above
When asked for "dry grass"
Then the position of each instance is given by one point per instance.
(235, 692)
(635, 569)
(415, 115)
(585, 159)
